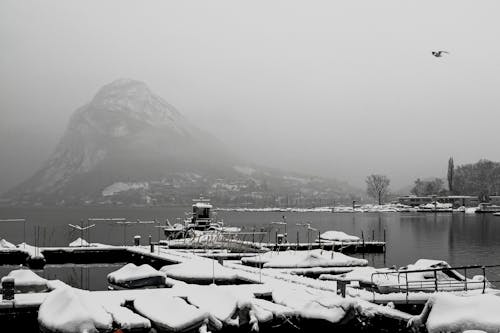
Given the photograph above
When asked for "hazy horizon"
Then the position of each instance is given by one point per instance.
(340, 89)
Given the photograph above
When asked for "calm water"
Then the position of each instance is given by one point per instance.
(457, 238)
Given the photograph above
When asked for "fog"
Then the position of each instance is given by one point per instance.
(332, 88)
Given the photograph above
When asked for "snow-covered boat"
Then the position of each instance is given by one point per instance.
(201, 220)
(170, 314)
(202, 271)
(424, 275)
(131, 276)
(303, 259)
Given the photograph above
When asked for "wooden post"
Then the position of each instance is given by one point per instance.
(363, 238)
(373, 235)
(484, 278)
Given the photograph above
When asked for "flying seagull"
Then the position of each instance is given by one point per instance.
(439, 54)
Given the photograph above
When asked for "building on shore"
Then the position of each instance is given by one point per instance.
(455, 200)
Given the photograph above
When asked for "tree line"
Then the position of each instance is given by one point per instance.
(480, 179)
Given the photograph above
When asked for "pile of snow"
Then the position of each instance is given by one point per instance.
(332, 308)
(79, 242)
(66, 310)
(27, 281)
(33, 252)
(303, 259)
(132, 276)
(172, 314)
(266, 311)
(436, 205)
(223, 309)
(471, 210)
(449, 313)
(6, 245)
(126, 319)
(338, 236)
(200, 271)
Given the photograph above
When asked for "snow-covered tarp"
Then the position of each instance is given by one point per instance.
(170, 313)
(27, 281)
(79, 242)
(6, 245)
(303, 259)
(132, 276)
(445, 312)
(70, 310)
(340, 236)
(200, 271)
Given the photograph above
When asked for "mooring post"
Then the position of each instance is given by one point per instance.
(319, 238)
(341, 286)
(137, 240)
(8, 288)
(151, 245)
(373, 234)
(484, 278)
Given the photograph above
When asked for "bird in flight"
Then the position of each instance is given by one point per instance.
(439, 54)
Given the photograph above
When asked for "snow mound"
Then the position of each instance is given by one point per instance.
(79, 242)
(170, 313)
(200, 271)
(449, 313)
(127, 319)
(6, 245)
(66, 310)
(338, 236)
(314, 306)
(222, 310)
(27, 281)
(132, 276)
(304, 259)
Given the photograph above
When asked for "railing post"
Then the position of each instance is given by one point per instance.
(435, 281)
(407, 288)
(465, 280)
(484, 278)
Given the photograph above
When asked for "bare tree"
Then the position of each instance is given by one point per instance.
(377, 187)
(451, 170)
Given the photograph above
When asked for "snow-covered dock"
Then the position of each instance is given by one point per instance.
(66, 309)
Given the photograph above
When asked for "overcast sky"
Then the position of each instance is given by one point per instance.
(334, 88)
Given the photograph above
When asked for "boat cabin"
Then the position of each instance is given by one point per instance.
(202, 215)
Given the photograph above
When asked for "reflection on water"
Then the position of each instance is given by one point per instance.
(460, 239)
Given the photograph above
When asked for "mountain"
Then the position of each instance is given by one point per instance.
(129, 146)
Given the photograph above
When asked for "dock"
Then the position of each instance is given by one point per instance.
(263, 284)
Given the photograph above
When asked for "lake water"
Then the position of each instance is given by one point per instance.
(459, 239)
